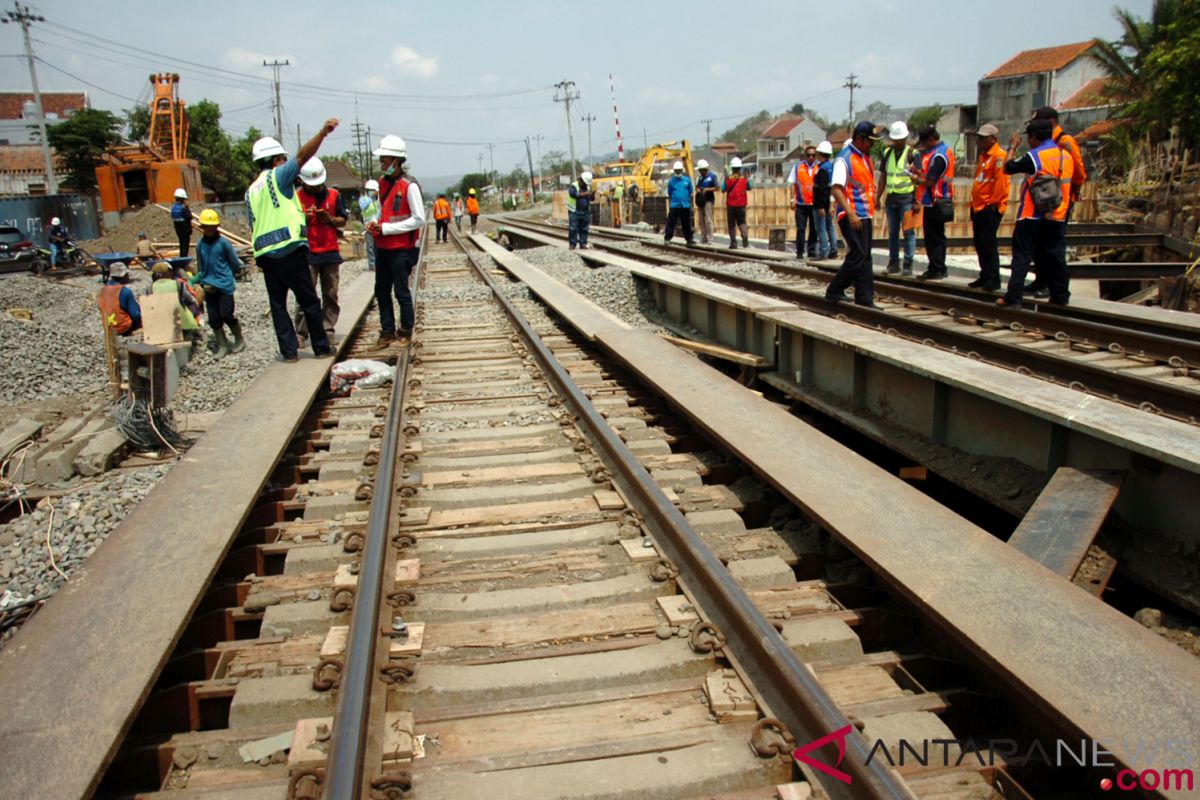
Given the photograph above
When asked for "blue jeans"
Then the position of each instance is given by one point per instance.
(55, 250)
(578, 223)
(895, 221)
(370, 241)
(826, 238)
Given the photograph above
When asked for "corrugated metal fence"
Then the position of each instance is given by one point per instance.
(32, 215)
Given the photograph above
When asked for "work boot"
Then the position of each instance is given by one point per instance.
(931, 275)
(893, 267)
(385, 340)
(222, 343)
(404, 338)
(977, 283)
(745, 242)
(239, 344)
(906, 269)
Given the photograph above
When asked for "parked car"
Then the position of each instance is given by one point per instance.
(17, 253)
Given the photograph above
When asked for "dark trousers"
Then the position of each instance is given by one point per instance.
(443, 230)
(1042, 243)
(578, 225)
(806, 217)
(219, 306)
(856, 269)
(984, 225)
(392, 270)
(935, 239)
(682, 217)
(735, 217)
(290, 273)
(183, 232)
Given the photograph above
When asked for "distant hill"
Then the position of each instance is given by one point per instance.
(430, 186)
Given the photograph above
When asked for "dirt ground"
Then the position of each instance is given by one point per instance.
(156, 224)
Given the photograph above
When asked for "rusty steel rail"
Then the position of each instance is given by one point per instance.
(792, 691)
(345, 767)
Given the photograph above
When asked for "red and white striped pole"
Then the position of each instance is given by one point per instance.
(616, 119)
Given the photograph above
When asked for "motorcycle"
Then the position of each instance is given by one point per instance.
(69, 255)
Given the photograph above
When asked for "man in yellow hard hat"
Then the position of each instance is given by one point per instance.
(218, 264)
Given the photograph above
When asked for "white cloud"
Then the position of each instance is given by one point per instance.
(719, 68)
(375, 83)
(412, 62)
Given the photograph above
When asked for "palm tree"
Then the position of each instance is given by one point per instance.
(1124, 59)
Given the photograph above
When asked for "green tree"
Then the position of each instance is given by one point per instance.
(1171, 67)
(1124, 59)
(473, 180)
(80, 142)
(878, 112)
(928, 115)
(211, 147)
(137, 123)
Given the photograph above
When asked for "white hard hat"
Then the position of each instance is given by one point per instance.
(313, 172)
(371, 185)
(392, 145)
(898, 131)
(677, 166)
(735, 162)
(55, 221)
(826, 148)
(267, 147)
(180, 194)
(702, 164)
(586, 177)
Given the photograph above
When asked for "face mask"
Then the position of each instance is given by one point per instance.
(390, 171)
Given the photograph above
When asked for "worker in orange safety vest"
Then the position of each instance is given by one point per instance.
(800, 198)
(441, 217)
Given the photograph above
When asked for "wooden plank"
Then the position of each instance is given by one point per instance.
(144, 571)
(1063, 522)
(717, 351)
(517, 472)
(524, 631)
(160, 319)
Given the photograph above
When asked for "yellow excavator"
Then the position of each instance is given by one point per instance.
(646, 177)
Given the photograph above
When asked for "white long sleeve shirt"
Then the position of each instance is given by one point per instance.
(416, 210)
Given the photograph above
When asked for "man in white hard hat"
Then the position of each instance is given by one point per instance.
(579, 211)
(57, 237)
(706, 198)
(280, 240)
(181, 218)
(397, 241)
(679, 202)
(368, 204)
(325, 216)
(736, 190)
(822, 194)
(896, 182)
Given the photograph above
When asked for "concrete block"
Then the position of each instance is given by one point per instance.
(721, 520)
(762, 573)
(677, 479)
(316, 558)
(301, 619)
(316, 508)
(648, 447)
(341, 470)
(350, 443)
(57, 463)
(918, 729)
(821, 638)
(17, 434)
(100, 453)
(27, 473)
(278, 701)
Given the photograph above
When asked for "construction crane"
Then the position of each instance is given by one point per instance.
(168, 118)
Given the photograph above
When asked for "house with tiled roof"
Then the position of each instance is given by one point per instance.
(780, 138)
(1050, 76)
(18, 114)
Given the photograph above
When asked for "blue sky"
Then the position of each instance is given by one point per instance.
(476, 72)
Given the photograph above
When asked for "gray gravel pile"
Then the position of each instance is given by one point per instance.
(81, 521)
(59, 352)
(611, 288)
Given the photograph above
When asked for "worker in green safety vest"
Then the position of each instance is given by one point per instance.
(895, 181)
(368, 203)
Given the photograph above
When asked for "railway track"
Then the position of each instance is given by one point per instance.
(522, 572)
(1147, 361)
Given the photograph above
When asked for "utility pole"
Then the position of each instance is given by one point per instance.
(360, 143)
(492, 160)
(707, 132)
(23, 16)
(298, 142)
(565, 94)
(481, 163)
(532, 185)
(275, 65)
(852, 84)
(369, 156)
(589, 119)
(645, 141)
(538, 139)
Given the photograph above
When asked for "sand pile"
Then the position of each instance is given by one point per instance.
(155, 223)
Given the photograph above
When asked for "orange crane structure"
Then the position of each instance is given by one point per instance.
(149, 172)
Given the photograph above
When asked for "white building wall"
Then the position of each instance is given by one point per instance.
(1071, 78)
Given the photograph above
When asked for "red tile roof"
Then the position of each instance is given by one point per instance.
(1046, 59)
(1098, 129)
(839, 137)
(781, 128)
(21, 159)
(1090, 96)
(11, 103)
(340, 176)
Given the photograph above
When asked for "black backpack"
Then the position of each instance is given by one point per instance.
(1046, 190)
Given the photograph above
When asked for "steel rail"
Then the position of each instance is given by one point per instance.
(793, 693)
(351, 720)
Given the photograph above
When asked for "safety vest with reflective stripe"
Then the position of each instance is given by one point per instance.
(441, 209)
(322, 235)
(110, 308)
(278, 220)
(860, 183)
(472, 205)
(1051, 160)
(805, 173)
(945, 184)
(394, 208)
(895, 167)
(1078, 171)
(991, 182)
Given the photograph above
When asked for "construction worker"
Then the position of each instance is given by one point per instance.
(706, 198)
(164, 282)
(822, 196)
(934, 179)
(896, 182)
(441, 218)
(618, 194)
(218, 265)
(736, 190)
(1040, 236)
(57, 237)
(368, 204)
(325, 216)
(679, 200)
(579, 211)
(118, 305)
(472, 208)
(279, 240)
(989, 199)
(1078, 176)
(800, 198)
(181, 218)
(397, 232)
(147, 253)
(853, 187)
(457, 211)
